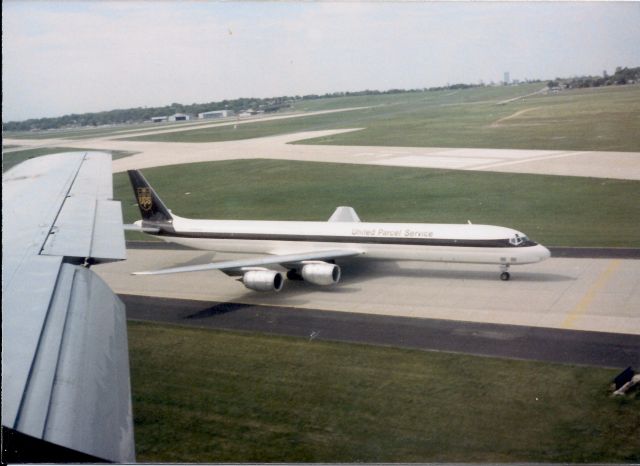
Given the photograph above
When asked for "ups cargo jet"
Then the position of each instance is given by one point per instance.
(309, 250)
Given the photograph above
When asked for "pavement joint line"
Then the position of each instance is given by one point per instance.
(526, 160)
(591, 293)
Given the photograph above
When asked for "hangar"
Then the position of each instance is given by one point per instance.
(179, 117)
(216, 114)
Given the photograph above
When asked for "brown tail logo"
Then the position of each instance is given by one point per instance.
(145, 200)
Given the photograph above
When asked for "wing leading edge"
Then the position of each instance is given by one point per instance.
(64, 341)
(239, 265)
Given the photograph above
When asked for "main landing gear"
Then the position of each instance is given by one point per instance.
(505, 275)
(293, 274)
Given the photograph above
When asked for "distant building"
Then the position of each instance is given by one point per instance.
(507, 78)
(159, 119)
(179, 117)
(216, 114)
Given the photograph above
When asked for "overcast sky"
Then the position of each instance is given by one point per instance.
(71, 57)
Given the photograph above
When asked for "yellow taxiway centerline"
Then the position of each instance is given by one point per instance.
(586, 300)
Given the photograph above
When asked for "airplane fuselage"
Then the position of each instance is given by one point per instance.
(464, 243)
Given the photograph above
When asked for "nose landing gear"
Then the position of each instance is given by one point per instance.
(505, 275)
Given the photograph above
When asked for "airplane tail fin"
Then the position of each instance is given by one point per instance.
(151, 206)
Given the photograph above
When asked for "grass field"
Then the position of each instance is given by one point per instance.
(14, 158)
(444, 97)
(214, 396)
(554, 210)
(606, 119)
(592, 119)
(101, 131)
(76, 133)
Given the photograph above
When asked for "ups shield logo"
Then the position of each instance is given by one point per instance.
(144, 198)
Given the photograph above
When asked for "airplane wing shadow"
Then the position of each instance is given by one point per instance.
(217, 310)
(198, 260)
(354, 272)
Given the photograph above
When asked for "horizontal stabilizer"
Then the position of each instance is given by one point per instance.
(344, 214)
(134, 227)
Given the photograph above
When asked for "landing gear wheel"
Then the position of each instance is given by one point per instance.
(504, 276)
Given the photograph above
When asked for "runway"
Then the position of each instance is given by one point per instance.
(590, 294)
(508, 341)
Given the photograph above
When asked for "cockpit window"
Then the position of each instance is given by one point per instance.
(520, 240)
(516, 240)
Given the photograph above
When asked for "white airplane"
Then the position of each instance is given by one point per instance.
(308, 250)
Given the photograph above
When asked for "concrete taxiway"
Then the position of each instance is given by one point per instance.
(564, 293)
(619, 165)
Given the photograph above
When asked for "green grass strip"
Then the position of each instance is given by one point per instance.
(216, 396)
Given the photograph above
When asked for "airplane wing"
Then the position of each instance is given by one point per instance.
(239, 265)
(65, 364)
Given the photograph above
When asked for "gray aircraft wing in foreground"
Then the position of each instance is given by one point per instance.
(65, 364)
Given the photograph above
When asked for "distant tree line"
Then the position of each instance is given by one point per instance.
(274, 104)
(620, 76)
(141, 114)
(389, 91)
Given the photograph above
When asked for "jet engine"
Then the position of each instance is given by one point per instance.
(263, 280)
(320, 273)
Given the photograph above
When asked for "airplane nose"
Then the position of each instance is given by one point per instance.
(544, 253)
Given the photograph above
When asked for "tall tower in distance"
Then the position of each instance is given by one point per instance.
(506, 78)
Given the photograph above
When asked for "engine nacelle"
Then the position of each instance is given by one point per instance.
(263, 280)
(320, 273)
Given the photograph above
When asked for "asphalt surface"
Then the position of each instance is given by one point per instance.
(509, 341)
